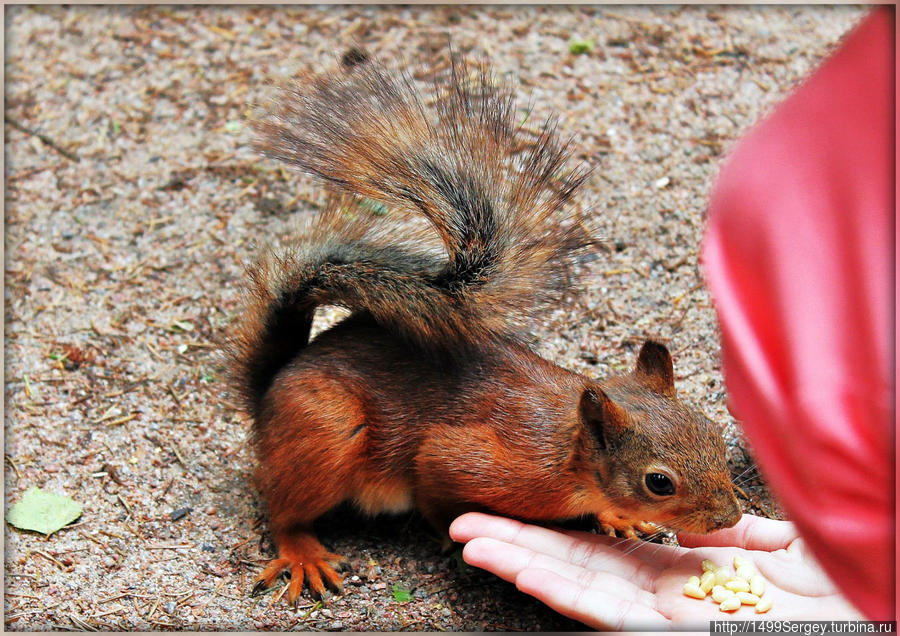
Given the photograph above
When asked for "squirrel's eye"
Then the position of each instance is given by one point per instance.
(659, 484)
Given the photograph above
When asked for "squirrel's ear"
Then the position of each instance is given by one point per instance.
(654, 368)
(600, 415)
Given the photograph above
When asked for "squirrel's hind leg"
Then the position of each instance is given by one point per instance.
(310, 447)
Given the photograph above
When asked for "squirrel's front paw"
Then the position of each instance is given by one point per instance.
(615, 527)
(307, 561)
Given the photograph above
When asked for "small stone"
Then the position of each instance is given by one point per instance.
(337, 625)
(169, 607)
(445, 611)
(175, 515)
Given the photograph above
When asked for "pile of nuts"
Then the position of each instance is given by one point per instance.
(730, 591)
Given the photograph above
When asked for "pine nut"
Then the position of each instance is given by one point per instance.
(730, 590)
(729, 604)
(720, 593)
(737, 585)
(757, 584)
(747, 598)
(693, 590)
(707, 581)
(723, 574)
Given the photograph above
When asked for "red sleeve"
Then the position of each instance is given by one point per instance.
(799, 257)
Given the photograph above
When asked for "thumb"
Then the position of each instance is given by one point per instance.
(750, 533)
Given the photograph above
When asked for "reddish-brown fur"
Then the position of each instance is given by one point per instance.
(426, 396)
(362, 416)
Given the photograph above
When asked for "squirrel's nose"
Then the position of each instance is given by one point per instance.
(730, 511)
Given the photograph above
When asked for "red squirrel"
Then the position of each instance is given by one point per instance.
(427, 395)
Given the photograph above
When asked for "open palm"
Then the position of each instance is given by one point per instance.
(610, 583)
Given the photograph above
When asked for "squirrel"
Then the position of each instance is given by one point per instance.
(427, 395)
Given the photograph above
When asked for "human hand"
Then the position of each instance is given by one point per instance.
(610, 583)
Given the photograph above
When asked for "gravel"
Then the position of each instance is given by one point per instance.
(123, 271)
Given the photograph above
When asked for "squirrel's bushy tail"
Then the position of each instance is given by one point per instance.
(456, 157)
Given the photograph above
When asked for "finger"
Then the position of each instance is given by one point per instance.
(507, 560)
(596, 608)
(584, 552)
(750, 533)
(478, 524)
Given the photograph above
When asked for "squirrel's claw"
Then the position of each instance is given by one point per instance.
(266, 579)
(259, 587)
(627, 530)
(647, 527)
(607, 529)
(318, 574)
(308, 563)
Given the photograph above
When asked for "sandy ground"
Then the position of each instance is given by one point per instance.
(123, 271)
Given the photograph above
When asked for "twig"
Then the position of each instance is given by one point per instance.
(122, 420)
(684, 294)
(44, 138)
(82, 624)
(124, 504)
(185, 546)
(111, 534)
(34, 611)
(115, 610)
(216, 591)
(178, 456)
(13, 466)
(47, 556)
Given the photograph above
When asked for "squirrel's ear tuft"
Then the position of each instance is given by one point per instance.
(601, 415)
(654, 368)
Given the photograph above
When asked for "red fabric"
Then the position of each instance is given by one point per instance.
(798, 255)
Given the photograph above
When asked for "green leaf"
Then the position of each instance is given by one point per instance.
(401, 595)
(182, 325)
(44, 512)
(577, 47)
